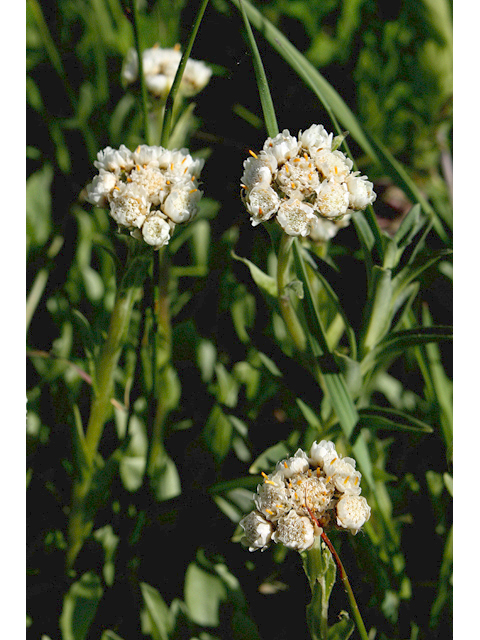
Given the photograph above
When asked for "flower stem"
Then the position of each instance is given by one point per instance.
(320, 570)
(106, 367)
(163, 353)
(289, 316)
(80, 523)
(167, 120)
(346, 583)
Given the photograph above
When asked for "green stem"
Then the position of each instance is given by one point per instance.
(320, 570)
(346, 583)
(106, 367)
(163, 350)
(80, 523)
(167, 120)
(289, 316)
(143, 86)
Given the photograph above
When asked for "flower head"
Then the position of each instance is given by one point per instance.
(305, 494)
(306, 186)
(148, 190)
(159, 68)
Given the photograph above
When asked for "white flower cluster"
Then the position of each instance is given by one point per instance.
(149, 190)
(305, 494)
(309, 187)
(159, 69)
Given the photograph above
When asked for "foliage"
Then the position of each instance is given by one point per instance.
(215, 391)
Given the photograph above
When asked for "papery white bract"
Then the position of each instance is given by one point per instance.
(307, 187)
(148, 190)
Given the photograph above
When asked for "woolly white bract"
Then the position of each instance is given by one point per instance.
(304, 495)
(309, 188)
(148, 190)
(159, 69)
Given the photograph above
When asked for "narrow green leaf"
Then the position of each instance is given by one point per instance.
(403, 304)
(323, 89)
(218, 433)
(444, 591)
(165, 480)
(109, 541)
(265, 283)
(338, 306)
(374, 418)
(116, 122)
(101, 483)
(110, 635)
(414, 270)
(170, 101)
(329, 372)
(78, 441)
(38, 205)
(321, 572)
(341, 630)
(309, 415)
(409, 226)
(267, 460)
(399, 175)
(395, 343)
(158, 612)
(204, 593)
(262, 83)
(442, 385)
(366, 239)
(448, 480)
(378, 309)
(79, 607)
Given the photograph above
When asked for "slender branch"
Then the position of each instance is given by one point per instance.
(80, 523)
(289, 316)
(346, 583)
(167, 120)
(162, 357)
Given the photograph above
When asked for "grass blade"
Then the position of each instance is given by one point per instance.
(374, 418)
(167, 121)
(263, 89)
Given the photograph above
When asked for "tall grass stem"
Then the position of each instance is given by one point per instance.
(168, 117)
